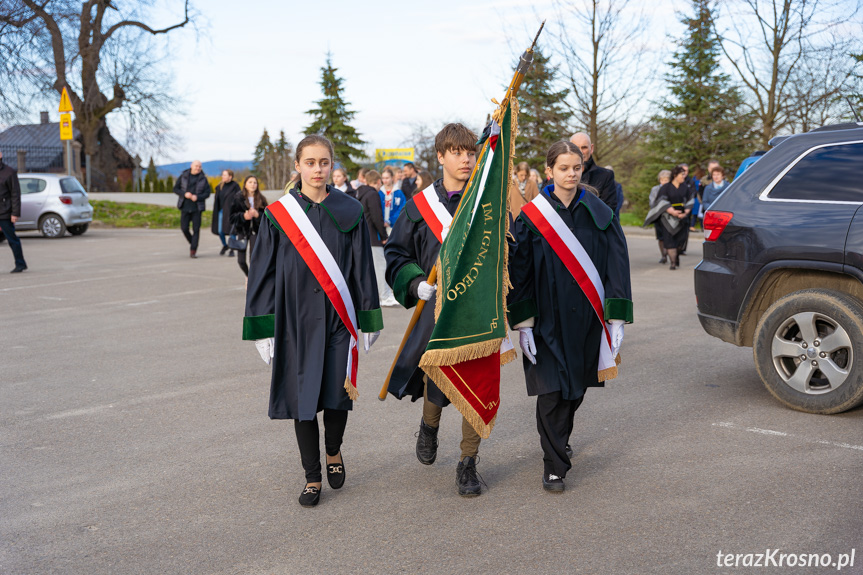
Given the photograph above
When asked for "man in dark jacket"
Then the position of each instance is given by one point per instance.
(10, 211)
(409, 182)
(194, 189)
(368, 196)
(224, 199)
(593, 175)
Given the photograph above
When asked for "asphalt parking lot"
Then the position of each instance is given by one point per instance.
(134, 439)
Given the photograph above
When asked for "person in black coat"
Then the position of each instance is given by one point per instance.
(224, 198)
(368, 196)
(600, 179)
(559, 330)
(194, 189)
(245, 212)
(10, 211)
(295, 325)
(409, 181)
(674, 203)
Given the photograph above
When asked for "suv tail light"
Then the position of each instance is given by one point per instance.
(714, 224)
(66, 200)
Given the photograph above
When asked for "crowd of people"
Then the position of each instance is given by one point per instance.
(331, 251)
(677, 205)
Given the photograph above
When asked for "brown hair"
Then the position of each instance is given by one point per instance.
(372, 177)
(312, 140)
(717, 168)
(522, 167)
(230, 173)
(557, 149)
(454, 137)
(259, 197)
(387, 170)
(427, 179)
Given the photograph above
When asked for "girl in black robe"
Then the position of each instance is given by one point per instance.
(294, 324)
(247, 209)
(559, 331)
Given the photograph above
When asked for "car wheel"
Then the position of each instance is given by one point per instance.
(805, 352)
(52, 226)
(79, 229)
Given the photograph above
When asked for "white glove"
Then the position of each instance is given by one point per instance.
(266, 347)
(425, 290)
(615, 329)
(369, 340)
(528, 346)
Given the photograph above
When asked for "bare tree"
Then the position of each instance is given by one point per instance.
(784, 52)
(599, 43)
(103, 52)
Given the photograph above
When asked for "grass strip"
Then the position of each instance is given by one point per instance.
(123, 215)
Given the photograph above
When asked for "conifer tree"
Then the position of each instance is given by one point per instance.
(152, 173)
(543, 118)
(262, 150)
(331, 119)
(704, 117)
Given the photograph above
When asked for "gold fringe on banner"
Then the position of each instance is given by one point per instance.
(455, 355)
(464, 407)
(353, 393)
(609, 373)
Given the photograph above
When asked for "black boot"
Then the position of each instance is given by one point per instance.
(231, 254)
(426, 443)
(224, 249)
(467, 479)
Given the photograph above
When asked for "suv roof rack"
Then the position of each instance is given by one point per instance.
(846, 126)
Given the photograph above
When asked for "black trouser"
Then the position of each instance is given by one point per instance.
(195, 219)
(554, 423)
(309, 440)
(241, 254)
(14, 242)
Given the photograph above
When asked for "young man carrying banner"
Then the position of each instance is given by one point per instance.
(411, 253)
(571, 295)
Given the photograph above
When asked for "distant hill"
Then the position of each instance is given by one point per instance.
(211, 168)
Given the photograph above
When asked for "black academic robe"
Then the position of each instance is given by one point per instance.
(223, 200)
(411, 252)
(566, 329)
(285, 301)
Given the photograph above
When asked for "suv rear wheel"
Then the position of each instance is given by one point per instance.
(804, 351)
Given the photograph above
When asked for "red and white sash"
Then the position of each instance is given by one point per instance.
(566, 246)
(296, 225)
(435, 214)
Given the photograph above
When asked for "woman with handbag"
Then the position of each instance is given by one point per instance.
(247, 207)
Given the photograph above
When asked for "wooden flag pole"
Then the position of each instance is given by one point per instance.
(515, 83)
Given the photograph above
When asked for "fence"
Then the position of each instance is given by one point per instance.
(37, 158)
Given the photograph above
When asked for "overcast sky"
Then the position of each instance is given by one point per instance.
(256, 65)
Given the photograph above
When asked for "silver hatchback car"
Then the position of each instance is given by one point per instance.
(52, 204)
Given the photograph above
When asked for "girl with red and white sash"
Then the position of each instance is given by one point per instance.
(569, 266)
(311, 289)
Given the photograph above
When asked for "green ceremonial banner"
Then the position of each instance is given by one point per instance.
(464, 354)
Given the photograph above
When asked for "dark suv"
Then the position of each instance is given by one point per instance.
(783, 268)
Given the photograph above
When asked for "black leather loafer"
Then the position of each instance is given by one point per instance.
(310, 496)
(336, 473)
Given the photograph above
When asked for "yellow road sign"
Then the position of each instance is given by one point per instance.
(66, 127)
(65, 104)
